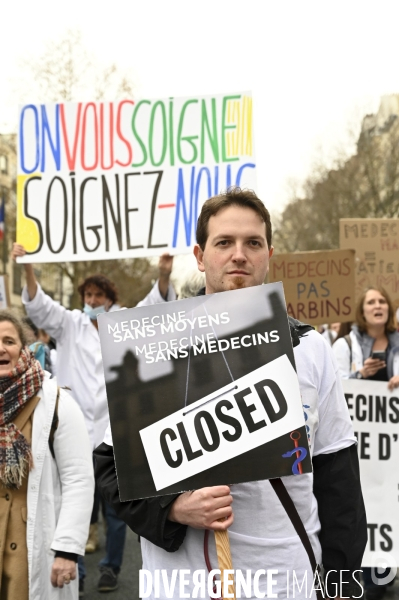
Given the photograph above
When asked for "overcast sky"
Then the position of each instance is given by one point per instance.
(313, 67)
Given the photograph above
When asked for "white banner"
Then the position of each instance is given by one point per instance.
(375, 413)
(4, 295)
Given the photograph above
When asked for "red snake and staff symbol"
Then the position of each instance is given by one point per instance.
(300, 452)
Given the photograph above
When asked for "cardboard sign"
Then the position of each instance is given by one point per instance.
(100, 180)
(319, 287)
(203, 392)
(376, 242)
(4, 292)
(375, 414)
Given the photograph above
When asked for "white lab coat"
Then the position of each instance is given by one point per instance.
(79, 362)
(60, 491)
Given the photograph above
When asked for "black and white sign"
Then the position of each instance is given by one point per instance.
(375, 413)
(203, 391)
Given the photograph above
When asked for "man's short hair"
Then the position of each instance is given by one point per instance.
(234, 196)
(101, 282)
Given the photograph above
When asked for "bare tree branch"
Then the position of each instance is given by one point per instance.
(363, 185)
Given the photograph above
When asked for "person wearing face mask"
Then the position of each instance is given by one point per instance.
(374, 334)
(79, 367)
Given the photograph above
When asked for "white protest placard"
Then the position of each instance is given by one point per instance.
(202, 392)
(105, 180)
(375, 414)
(201, 431)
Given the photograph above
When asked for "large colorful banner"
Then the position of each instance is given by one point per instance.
(100, 180)
(375, 414)
(376, 242)
(319, 286)
(203, 392)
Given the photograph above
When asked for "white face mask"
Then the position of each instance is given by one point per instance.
(93, 312)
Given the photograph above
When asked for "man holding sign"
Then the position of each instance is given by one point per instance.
(233, 250)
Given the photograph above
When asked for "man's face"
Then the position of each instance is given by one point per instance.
(236, 254)
(95, 296)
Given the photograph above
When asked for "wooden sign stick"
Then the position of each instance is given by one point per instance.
(224, 559)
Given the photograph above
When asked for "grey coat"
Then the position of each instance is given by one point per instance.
(366, 343)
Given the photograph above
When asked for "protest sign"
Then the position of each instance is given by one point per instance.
(375, 414)
(203, 392)
(4, 292)
(376, 242)
(319, 286)
(100, 180)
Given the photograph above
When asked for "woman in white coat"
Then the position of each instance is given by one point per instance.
(46, 477)
(371, 351)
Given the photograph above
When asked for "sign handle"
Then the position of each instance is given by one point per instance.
(224, 559)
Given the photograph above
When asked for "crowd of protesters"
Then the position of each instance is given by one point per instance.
(54, 414)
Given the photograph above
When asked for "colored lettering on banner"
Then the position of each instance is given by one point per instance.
(319, 287)
(100, 180)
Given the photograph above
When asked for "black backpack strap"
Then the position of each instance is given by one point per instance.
(298, 330)
(290, 509)
(54, 425)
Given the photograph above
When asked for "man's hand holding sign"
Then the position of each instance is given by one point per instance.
(207, 508)
(214, 406)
